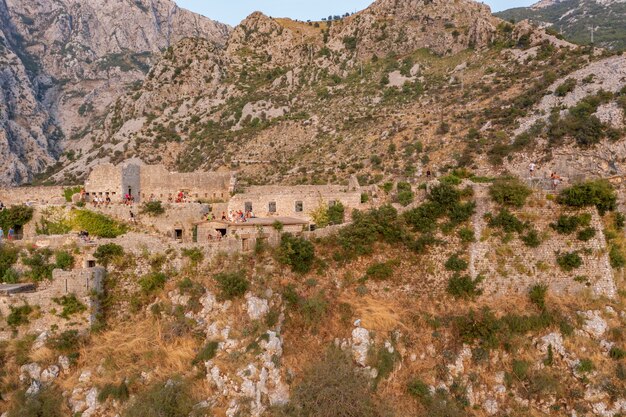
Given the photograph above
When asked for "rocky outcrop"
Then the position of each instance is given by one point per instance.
(70, 60)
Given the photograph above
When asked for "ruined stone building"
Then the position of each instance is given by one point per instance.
(143, 181)
(295, 201)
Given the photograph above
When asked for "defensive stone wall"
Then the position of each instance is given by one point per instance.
(162, 184)
(294, 201)
(35, 195)
(82, 283)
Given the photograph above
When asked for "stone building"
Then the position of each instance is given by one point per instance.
(247, 233)
(295, 201)
(142, 181)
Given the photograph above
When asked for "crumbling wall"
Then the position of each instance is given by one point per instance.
(513, 268)
(162, 184)
(36, 195)
(82, 283)
(286, 197)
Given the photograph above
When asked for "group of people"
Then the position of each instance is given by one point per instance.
(10, 234)
(555, 179)
(101, 201)
(237, 216)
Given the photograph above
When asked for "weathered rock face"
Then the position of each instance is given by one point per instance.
(403, 26)
(72, 59)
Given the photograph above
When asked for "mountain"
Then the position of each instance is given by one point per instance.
(75, 58)
(575, 18)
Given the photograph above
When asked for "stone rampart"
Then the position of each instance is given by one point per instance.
(34, 195)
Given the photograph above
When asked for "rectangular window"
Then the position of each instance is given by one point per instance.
(299, 207)
(272, 207)
(248, 206)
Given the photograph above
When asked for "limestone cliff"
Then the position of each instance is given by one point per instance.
(79, 56)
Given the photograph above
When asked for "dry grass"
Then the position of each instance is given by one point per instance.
(379, 315)
(134, 347)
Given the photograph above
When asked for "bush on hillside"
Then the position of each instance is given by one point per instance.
(330, 388)
(512, 193)
(172, 398)
(152, 208)
(107, 252)
(537, 295)
(598, 193)
(336, 213)
(39, 263)
(152, 282)
(64, 260)
(297, 252)
(15, 216)
(464, 286)
(97, 224)
(531, 239)
(569, 261)
(68, 193)
(48, 402)
(231, 284)
(9, 255)
(506, 221)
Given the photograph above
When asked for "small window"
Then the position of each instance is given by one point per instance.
(272, 207)
(299, 207)
(178, 233)
(91, 263)
(248, 206)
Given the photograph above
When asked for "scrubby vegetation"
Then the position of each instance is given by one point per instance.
(232, 284)
(510, 192)
(597, 193)
(296, 252)
(104, 254)
(152, 208)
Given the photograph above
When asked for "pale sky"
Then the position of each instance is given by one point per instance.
(234, 11)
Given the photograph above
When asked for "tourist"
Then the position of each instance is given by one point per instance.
(108, 201)
(1, 234)
(555, 180)
(428, 174)
(132, 217)
(11, 234)
(531, 169)
(1, 206)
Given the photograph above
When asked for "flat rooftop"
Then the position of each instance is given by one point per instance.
(8, 289)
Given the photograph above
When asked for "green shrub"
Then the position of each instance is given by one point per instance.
(531, 239)
(232, 284)
(117, 392)
(296, 252)
(71, 305)
(68, 193)
(569, 261)
(418, 389)
(566, 224)
(313, 309)
(40, 267)
(538, 294)
(152, 282)
(331, 388)
(336, 213)
(455, 263)
(11, 276)
(598, 193)
(405, 198)
(207, 353)
(423, 242)
(464, 286)
(585, 366)
(170, 399)
(67, 342)
(9, 255)
(18, 316)
(445, 195)
(383, 361)
(565, 88)
(15, 216)
(380, 271)
(64, 260)
(506, 221)
(48, 402)
(152, 208)
(107, 252)
(616, 257)
(97, 224)
(424, 218)
(278, 226)
(617, 353)
(586, 234)
(511, 192)
(461, 212)
(195, 255)
(467, 235)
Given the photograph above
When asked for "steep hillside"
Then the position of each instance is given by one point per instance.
(392, 91)
(79, 56)
(574, 19)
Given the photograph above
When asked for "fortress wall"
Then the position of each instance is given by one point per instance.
(82, 283)
(105, 178)
(157, 181)
(37, 195)
(285, 198)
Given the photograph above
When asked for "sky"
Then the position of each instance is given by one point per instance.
(234, 11)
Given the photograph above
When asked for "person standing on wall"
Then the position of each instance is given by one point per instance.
(1, 234)
(11, 234)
